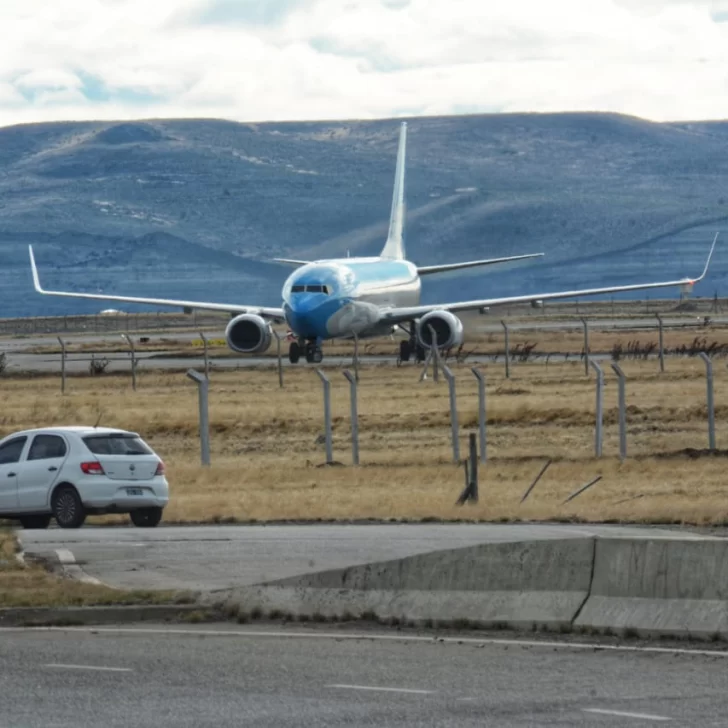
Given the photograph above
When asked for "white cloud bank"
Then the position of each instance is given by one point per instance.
(257, 60)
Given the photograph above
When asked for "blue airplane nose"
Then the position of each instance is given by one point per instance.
(304, 315)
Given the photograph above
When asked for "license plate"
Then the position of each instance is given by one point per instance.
(133, 491)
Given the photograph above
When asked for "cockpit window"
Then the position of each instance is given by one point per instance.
(311, 288)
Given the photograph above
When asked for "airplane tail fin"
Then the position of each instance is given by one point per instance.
(394, 247)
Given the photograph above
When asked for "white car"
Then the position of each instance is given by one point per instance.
(70, 472)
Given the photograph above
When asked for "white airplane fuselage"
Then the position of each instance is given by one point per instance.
(339, 298)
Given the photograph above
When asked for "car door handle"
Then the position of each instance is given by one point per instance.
(11, 475)
(52, 468)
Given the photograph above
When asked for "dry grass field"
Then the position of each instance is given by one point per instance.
(268, 453)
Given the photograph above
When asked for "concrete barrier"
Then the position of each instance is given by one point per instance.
(517, 585)
(654, 587)
(645, 586)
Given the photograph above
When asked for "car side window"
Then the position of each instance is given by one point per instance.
(45, 447)
(11, 451)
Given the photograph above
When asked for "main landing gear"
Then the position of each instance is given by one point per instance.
(310, 349)
(409, 347)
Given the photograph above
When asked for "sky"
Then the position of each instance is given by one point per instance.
(278, 60)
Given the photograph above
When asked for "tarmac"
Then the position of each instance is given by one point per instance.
(222, 675)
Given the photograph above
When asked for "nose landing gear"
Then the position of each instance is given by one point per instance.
(310, 349)
(314, 353)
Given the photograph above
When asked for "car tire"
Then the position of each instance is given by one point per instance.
(146, 517)
(41, 521)
(67, 507)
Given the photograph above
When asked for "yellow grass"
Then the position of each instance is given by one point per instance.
(267, 454)
(30, 585)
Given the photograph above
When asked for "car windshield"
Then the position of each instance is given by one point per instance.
(116, 445)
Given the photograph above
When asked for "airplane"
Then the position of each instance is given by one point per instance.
(362, 297)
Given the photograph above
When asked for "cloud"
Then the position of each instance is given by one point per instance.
(326, 59)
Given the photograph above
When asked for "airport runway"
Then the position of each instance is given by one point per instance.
(225, 676)
(21, 359)
(210, 558)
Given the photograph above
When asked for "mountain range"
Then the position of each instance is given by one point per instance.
(197, 208)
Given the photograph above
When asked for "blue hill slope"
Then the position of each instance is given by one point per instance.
(196, 208)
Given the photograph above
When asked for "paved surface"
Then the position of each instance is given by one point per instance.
(20, 359)
(221, 676)
(206, 558)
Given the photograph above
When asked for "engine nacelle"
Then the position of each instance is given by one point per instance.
(248, 334)
(448, 329)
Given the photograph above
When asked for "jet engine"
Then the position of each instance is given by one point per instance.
(447, 326)
(248, 334)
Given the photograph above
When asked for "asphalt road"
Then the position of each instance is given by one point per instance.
(224, 676)
(207, 558)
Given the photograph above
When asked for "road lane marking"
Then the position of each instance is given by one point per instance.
(283, 634)
(623, 714)
(382, 689)
(68, 562)
(99, 668)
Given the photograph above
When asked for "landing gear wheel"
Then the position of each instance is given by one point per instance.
(405, 350)
(35, 521)
(294, 352)
(146, 517)
(314, 354)
(67, 507)
(420, 354)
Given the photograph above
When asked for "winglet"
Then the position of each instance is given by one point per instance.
(394, 247)
(34, 268)
(710, 255)
(693, 281)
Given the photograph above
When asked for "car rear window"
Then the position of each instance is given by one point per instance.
(117, 445)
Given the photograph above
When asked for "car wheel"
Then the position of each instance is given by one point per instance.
(35, 521)
(67, 507)
(146, 517)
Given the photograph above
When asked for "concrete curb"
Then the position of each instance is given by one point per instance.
(115, 614)
(658, 587)
(520, 585)
(640, 587)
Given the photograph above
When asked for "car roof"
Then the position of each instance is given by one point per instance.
(77, 429)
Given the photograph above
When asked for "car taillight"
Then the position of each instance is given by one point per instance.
(92, 468)
(160, 468)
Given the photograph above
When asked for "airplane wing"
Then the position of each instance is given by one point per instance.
(290, 261)
(399, 315)
(272, 313)
(429, 269)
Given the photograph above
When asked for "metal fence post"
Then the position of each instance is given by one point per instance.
(133, 360)
(327, 415)
(661, 342)
(278, 354)
(482, 418)
(711, 405)
(356, 357)
(453, 413)
(508, 349)
(599, 409)
(435, 354)
(473, 452)
(431, 357)
(622, 413)
(207, 361)
(585, 323)
(470, 465)
(202, 390)
(63, 364)
(354, 418)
